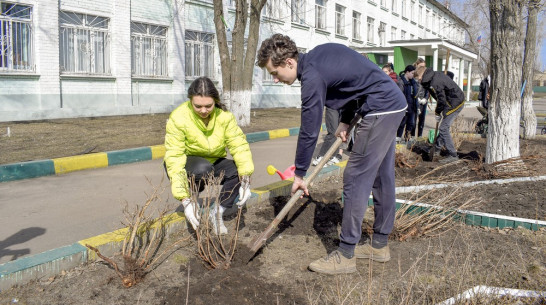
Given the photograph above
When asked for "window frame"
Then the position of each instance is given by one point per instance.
(88, 51)
(153, 43)
(357, 24)
(297, 13)
(370, 30)
(204, 43)
(17, 38)
(340, 19)
(320, 14)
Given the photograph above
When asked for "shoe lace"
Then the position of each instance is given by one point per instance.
(334, 255)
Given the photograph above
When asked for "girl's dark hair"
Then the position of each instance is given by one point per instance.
(277, 48)
(204, 87)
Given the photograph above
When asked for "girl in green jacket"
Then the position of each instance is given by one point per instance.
(198, 133)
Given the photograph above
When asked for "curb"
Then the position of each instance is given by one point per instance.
(57, 166)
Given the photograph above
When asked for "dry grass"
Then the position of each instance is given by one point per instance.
(145, 234)
(443, 270)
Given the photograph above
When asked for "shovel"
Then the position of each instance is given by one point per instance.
(258, 241)
(433, 149)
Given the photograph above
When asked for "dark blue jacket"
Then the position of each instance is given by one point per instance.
(338, 77)
(410, 88)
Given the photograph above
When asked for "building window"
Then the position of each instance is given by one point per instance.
(320, 14)
(383, 3)
(403, 35)
(340, 19)
(393, 33)
(272, 9)
(382, 33)
(427, 20)
(412, 37)
(298, 11)
(403, 8)
(16, 47)
(148, 50)
(199, 54)
(412, 11)
(356, 26)
(394, 10)
(433, 22)
(84, 43)
(370, 30)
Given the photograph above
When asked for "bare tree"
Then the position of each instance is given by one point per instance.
(238, 65)
(506, 64)
(527, 112)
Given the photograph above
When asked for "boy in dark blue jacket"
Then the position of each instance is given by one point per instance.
(410, 89)
(338, 77)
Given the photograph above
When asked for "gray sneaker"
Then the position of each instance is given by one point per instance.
(449, 159)
(381, 255)
(332, 161)
(334, 263)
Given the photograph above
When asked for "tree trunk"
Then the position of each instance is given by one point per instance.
(238, 67)
(527, 112)
(506, 64)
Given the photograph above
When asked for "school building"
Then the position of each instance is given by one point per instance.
(86, 58)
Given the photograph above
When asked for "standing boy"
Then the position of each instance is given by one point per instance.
(338, 77)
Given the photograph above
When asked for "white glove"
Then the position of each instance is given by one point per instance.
(191, 211)
(422, 101)
(438, 118)
(244, 191)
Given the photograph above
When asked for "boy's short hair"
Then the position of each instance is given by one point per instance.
(278, 48)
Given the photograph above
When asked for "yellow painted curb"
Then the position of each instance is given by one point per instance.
(158, 151)
(76, 163)
(279, 133)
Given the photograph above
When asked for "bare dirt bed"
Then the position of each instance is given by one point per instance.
(424, 269)
(37, 140)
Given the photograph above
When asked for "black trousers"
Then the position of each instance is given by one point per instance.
(201, 167)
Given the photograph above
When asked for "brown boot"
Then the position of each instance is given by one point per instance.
(334, 263)
(367, 251)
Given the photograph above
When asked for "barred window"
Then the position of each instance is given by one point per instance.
(84, 43)
(340, 20)
(199, 54)
(320, 14)
(16, 47)
(148, 50)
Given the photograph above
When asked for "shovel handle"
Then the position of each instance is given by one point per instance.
(260, 240)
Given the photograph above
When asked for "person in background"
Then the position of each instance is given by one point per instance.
(422, 99)
(409, 87)
(331, 118)
(449, 103)
(483, 95)
(197, 135)
(387, 68)
(335, 76)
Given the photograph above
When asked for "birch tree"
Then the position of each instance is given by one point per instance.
(238, 63)
(528, 114)
(506, 64)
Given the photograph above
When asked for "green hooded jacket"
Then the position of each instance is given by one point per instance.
(187, 135)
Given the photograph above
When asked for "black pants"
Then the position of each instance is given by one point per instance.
(421, 120)
(201, 167)
(407, 123)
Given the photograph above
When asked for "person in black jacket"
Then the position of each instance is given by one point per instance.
(483, 95)
(335, 76)
(449, 103)
(410, 88)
